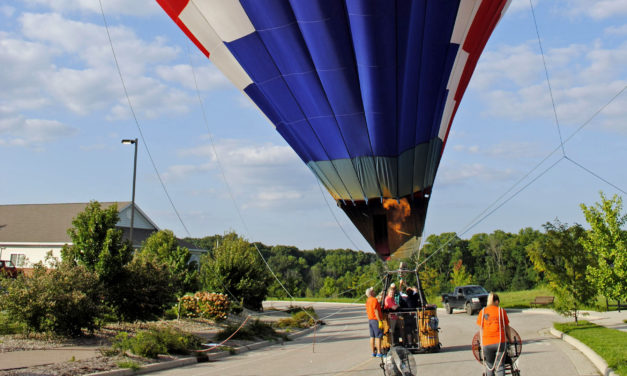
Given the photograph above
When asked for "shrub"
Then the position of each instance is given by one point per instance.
(129, 364)
(144, 290)
(208, 305)
(63, 300)
(150, 343)
(301, 318)
(8, 325)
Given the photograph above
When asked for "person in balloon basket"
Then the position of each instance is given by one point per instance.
(494, 336)
(373, 309)
(391, 305)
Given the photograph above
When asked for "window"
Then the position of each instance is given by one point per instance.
(17, 259)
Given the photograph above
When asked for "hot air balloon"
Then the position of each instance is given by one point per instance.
(364, 91)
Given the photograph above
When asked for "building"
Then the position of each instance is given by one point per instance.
(29, 231)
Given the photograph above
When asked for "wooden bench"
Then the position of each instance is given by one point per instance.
(619, 305)
(542, 300)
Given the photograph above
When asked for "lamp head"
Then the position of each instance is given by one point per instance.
(129, 142)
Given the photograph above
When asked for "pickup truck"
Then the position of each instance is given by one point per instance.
(471, 298)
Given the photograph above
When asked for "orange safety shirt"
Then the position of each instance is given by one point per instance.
(493, 326)
(372, 306)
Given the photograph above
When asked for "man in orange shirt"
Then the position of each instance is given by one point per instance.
(494, 326)
(373, 309)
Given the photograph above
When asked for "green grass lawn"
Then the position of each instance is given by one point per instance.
(610, 344)
(521, 299)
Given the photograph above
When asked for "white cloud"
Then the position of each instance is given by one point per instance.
(151, 99)
(7, 11)
(207, 76)
(123, 7)
(180, 172)
(616, 30)
(83, 91)
(243, 153)
(598, 9)
(512, 150)
(19, 131)
(260, 175)
(23, 68)
(520, 5)
(512, 83)
(456, 174)
(275, 197)
(89, 42)
(69, 63)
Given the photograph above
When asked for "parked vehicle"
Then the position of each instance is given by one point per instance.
(470, 298)
(8, 269)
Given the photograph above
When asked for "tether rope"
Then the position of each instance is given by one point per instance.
(231, 336)
(228, 186)
(546, 72)
(491, 212)
(594, 174)
(141, 134)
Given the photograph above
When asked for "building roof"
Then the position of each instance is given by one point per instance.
(42, 223)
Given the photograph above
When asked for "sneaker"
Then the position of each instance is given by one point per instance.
(379, 355)
(374, 355)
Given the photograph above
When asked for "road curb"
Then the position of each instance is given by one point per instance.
(598, 362)
(193, 360)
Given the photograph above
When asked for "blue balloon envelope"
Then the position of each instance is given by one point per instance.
(364, 91)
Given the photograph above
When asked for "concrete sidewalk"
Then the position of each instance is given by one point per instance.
(31, 358)
(612, 319)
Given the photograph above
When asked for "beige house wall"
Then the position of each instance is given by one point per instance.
(33, 253)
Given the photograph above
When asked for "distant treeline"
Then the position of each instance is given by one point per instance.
(498, 261)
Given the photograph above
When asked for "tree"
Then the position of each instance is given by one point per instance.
(162, 247)
(235, 269)
(607, 242)
(98, 244)
(446, 245)
(460, 276)
(430, 282)
(329, 288)
(562, 259)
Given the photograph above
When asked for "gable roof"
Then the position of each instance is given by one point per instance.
(45, 223)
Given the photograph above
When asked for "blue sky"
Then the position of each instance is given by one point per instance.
(63, 113)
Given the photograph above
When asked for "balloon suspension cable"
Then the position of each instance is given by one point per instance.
(452, 237)
(490, 209)
(139, 129)
(228, 186)
(324, 198)
(548, 81)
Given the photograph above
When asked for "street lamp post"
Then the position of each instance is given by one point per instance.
(126, 141)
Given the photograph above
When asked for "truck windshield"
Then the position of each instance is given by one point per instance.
(475, 290)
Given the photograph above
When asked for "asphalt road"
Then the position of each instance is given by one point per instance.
(341, 348)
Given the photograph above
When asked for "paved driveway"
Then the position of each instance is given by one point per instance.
(341, 348)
